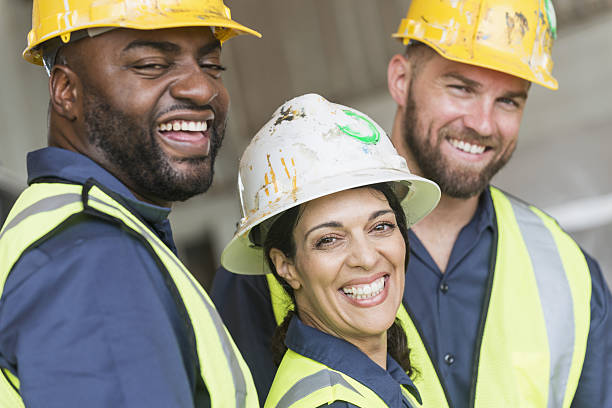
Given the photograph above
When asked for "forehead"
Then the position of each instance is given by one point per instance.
(187, 39)
(343, 206)
(439, 67)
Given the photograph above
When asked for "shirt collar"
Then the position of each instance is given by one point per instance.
(484, 216)
(343, 356)
(53, 162)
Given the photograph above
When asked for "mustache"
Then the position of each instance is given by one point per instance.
(217, 129)
(467, 135)
(188, 106)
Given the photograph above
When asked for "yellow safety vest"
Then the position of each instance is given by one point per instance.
(301, 382)
(44, 207)
(534, 329)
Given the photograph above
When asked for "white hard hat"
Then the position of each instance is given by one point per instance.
(311, 148)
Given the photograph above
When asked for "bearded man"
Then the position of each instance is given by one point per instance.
(501, 307)
(96, 310)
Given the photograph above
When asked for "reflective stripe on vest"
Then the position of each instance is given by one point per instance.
(42, 208)
(304, 383)
(532, 346)
(538, 317)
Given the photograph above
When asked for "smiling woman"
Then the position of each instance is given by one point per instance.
(326, 204)
(341, 259)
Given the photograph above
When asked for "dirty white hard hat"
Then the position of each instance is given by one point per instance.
(311, 148)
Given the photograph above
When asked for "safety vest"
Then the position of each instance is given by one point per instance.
(301, 382)
(43, 208)
(534, 327)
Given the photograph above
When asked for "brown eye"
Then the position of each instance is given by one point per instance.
(213, 70)
(384, 227)
(151, 66)
(326, 242)
(150, 69)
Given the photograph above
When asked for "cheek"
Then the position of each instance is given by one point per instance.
(442, 114)
(394, 251)
(319, 272)
(399, 254)
(509, 129)
(222, 101)
(135, 99)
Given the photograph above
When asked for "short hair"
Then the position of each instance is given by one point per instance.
(418, 54)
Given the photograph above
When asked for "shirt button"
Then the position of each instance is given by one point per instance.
(443, 287)
(449, 359)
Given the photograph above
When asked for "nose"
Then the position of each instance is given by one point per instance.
(195, 86)
(480, 117)
(362, 254)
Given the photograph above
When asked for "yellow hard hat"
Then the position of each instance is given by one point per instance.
(511, 36)
(59, 18)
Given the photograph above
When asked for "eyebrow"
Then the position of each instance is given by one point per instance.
(163, 46)
(465, 80)
(336, 224)
(476, 85)
(518, 94)
(210, 47)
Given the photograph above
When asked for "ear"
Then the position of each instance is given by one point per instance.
(64, 91)
(285, 268)
(398, 78)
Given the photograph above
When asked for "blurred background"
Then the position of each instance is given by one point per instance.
(340, 49)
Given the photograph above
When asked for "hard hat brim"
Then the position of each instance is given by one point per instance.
(241, 256)
(150, 21)
(498, 61)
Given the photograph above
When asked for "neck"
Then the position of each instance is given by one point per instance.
(373, 346)
(440, 229)
(376, 349)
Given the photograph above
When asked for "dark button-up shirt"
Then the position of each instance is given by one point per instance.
(446, 306)
(86, 317)
(344, 357)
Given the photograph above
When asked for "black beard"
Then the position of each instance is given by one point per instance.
(134, 152)
(453, 182)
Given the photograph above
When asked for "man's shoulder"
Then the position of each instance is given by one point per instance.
(85, 246)
(90, 233)
(592, 263)
(520, 202)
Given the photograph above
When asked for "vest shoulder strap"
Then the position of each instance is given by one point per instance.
(304, 383)
(543, 354)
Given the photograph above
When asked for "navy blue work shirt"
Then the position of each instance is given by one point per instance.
(342, 356)
(87, 318)
(446, 306)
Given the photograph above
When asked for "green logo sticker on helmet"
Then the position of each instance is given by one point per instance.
(372, 138)
(552, 18)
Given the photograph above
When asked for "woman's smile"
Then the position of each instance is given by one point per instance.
(367, 294)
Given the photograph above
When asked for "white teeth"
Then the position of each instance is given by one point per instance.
(365, 291)
(185, 126)
(467, 147)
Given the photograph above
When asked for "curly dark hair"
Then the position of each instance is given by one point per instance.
(280, 236)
